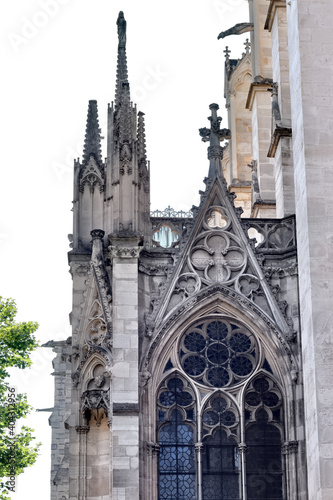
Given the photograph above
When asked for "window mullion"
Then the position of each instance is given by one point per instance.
(198, 449)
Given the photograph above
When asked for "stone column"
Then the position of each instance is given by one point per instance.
(124, 254)
(311, 82)
(280, 148)
(82, 431)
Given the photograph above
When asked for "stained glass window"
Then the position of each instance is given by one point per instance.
(177, 479)
(202, 408)
(220, 475)
(220, 461)
(166, 235)
(218, 353)
(263, 439)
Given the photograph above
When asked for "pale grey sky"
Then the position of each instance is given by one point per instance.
(56, 55)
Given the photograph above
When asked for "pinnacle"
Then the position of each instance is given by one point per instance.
(122, 74)
(92, 140)
(141, 138)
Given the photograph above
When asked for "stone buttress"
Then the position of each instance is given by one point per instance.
(95, 427)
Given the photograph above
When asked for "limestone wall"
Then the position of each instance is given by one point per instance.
(311, 83)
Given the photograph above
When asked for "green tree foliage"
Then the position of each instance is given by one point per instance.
(16, 345)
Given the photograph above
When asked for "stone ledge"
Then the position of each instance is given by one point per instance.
(125, 409)
(275, 139)
(260, 86)
(272, 8)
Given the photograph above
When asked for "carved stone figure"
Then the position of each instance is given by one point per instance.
(121, 23)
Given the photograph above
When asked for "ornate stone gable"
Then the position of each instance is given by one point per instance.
(94, 334)
(217, 251)
(92, 175)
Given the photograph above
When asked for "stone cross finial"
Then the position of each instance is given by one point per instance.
(227, 52)
(247, 46)
(214, 135)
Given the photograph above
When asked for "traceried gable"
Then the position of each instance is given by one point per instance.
(217, 252)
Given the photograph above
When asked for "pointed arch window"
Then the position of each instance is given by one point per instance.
(177, 471)
(263, 438)
(220, 460)
(220, 440)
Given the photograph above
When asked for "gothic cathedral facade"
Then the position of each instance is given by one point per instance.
(200, 364)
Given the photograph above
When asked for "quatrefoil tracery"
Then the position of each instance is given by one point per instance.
(217, 257)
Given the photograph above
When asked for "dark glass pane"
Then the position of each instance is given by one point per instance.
(261, 385)
(167, 398)
(168, 366)
(175, 394)
(218, 377)
(177, 458)
(217, 330)
(262, 394)
(194, 365)
(228, 418)
(184, 398)
(190, 415)
(253, 398)
(177, 487)
(219, 413)
(219, 404)
(241, 366)
(218, 353)
(211, 418)
(267, 367)
(220, 467)
(270, 399)
(240, 342)
(194, 342)
(264, 464)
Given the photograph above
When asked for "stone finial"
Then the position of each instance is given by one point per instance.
(227, 53)
(92, 140)
(122, 74)
(214, 135)
(121, 25)
(247, 45)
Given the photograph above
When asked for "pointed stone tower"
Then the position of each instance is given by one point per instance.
(95, 423)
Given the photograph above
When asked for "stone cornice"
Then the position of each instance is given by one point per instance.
(272, 8)
(124, 252)
(256, 87)
(125, 409)
(261, 204)
(275, 139)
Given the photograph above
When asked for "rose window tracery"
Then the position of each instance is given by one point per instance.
(218, 353)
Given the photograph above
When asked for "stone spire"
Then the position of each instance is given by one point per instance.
(214, 135)
(127, 174)
(122, 74)
(92, 140)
